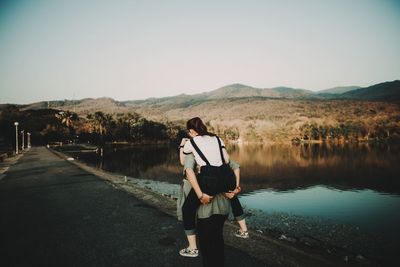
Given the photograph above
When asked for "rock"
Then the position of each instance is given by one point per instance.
(309, 241)
(283, 237)
(360, 257)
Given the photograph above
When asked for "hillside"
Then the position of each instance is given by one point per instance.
(82, 107)
(388, 91)
(240, 90)
(260, 119)
(338, 90)
(229, 91)
(267, 120)
(252, 114)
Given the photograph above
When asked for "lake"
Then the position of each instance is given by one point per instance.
(356, 184)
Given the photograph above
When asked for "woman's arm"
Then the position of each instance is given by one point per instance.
(189, 165)
(237, 174)
(191, 176)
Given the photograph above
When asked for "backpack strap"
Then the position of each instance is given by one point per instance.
(220, 150)
(199, 151)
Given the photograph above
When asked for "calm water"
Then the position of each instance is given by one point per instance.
(357, 184)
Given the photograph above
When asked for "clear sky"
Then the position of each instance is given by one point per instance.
(129, 49)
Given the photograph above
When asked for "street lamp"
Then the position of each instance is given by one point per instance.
(22, 138)
(16, 137)
(29, 139)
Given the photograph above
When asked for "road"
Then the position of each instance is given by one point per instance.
(55, 214)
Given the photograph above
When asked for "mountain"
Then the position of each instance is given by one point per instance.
(156, 107)
(387, 91)
(232, 91)
(338, 90)
(288, 92)
(270, 114)
(238, 90)
(83, 106)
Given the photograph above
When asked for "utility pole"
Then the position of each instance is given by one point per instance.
(29, 139)
(16, 137)
(22, 138)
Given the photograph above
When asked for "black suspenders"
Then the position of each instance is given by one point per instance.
(220, 150)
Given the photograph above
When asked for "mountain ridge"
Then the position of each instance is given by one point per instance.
(386, 91)
(338, 90)
(253, 115)
(380, 92)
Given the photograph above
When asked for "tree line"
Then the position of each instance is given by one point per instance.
(50, 125)
(380, 130)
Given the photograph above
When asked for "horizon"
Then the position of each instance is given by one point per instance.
(135, 50)
(125, 100)
(183, 93)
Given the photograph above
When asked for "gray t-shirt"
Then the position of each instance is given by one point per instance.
(219, 205)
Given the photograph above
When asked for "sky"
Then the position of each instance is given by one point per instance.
(128, 50)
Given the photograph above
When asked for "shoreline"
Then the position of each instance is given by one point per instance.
(295, 141)
(344, 241)
(308, 249)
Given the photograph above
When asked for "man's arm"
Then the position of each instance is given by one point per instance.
(236, 169)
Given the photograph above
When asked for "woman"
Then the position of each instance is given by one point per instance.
(207, 149)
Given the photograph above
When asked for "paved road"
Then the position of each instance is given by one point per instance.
(54, 214)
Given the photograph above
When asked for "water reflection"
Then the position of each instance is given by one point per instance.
(150, 162)
(353, 207)
(345, 167)
(277, 167)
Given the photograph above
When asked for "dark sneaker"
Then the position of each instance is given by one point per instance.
(242, 234)
(189, 252)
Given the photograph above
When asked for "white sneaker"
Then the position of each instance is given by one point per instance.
(189, 252)
(242, 234)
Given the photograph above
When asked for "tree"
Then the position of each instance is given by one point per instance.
(173, 130)
(231, 133)
(67, 118)
(100, 121)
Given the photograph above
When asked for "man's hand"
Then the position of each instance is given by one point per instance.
(237, 190)
(205, 199)
(233, 193)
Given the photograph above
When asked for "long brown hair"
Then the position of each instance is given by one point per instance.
(198, 125)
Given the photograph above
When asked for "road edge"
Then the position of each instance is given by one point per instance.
(268, 250)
